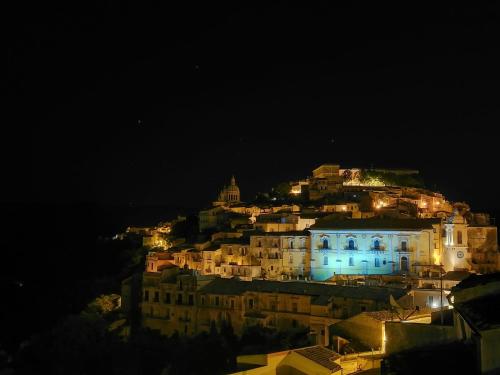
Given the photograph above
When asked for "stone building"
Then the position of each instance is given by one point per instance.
(281, 254)
(188, 304)
(326, 180)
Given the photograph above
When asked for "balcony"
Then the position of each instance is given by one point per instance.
(350, 248)
(403, 249)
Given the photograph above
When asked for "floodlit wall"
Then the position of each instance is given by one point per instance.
(490, 358)
(405, 336)
(362, 328)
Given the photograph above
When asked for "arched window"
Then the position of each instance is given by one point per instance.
(459, 237)
(404, 264)
(351, 244)
(325, 261)
(325, 243)
(376, 244)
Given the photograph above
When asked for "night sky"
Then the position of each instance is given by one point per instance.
(142, 102)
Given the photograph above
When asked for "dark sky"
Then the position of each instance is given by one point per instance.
(150, 102)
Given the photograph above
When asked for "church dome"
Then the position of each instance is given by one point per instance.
(230, 193)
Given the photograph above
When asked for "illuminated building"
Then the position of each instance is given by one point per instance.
(326, 180)
(174, 300)
(281, 254)
(372, 246)
(310, 360)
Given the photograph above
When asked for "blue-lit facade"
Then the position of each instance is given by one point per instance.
(339, 251)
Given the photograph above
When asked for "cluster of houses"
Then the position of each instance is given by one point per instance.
(379, 257)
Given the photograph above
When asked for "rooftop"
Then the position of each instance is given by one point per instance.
(375, 223)
(475, 280)
(456, 275)
(322, 356)
(482, 312)
(274, 234)
(236, 287)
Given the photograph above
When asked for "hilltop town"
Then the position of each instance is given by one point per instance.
(349, 253)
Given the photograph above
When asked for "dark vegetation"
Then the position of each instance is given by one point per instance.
(48, 327)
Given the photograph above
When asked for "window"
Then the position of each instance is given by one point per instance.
(363, 308)
(294, 307)
(229, 251)
(294, 323)
(191, 299)
(291, 244)
(325, 261)
(232, 303)
(325, 243)
(146, 295)
(351, 261)
(217, 301)
(259, 244)
(377, 262)
(202, 300)
(272, 268)
(250, 303)
(272, 305)
(459, 237)
(351, 244)
(167, 298)
(291, 259)
(403, 246)
(157, 297)
(179, 299)
(376, 244)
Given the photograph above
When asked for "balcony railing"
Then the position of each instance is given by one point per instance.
(373, 248)
(403, 250)
(350, 248)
